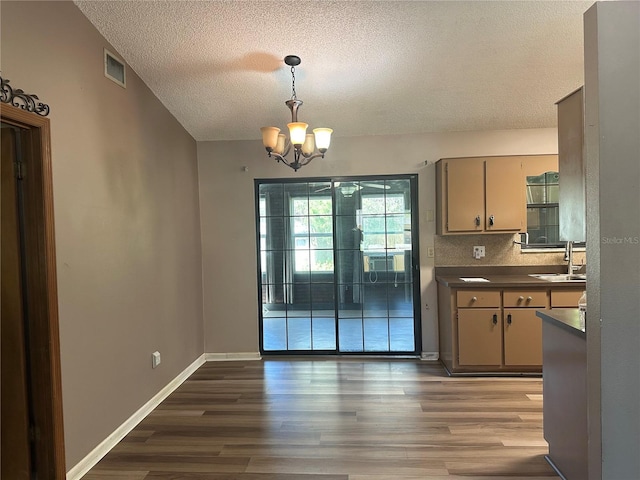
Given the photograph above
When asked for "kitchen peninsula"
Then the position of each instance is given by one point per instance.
(565, 391)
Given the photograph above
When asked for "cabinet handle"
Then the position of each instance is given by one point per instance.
(520, 298)
(495, 318)
(491, 220)
(509, 319)
(529, 299)
(478, 221)
(474, 299)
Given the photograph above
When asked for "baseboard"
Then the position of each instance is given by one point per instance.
(221, 357)
(88, 462)
(429, 356)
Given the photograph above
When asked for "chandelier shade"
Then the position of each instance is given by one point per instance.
(306, 146)
(323, 138)
(297, 132)
(270, 136)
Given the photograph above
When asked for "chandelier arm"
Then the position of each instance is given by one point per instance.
(308, 158)
(312, 155)
(299, 159)
(279, 158)
(287, 149)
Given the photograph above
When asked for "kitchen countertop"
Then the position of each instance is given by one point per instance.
(510, 280)
(566, 318)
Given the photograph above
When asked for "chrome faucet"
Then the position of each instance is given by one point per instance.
(568, 256)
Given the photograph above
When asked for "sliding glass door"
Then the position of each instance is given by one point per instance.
(338, 265)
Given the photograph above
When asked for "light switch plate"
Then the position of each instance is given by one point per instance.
(155, 359)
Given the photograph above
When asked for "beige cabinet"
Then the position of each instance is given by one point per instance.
(522, 337)
(480, 336)
(491, 330)
(505, 200)
(566, 298)
(479, 322)
(480, 195)
(522, 328)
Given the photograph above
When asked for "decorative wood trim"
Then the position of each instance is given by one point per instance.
(82, 467)
(41, 276)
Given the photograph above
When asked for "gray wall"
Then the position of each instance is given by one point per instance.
(228, 216)
(127, 221)
(612, 109)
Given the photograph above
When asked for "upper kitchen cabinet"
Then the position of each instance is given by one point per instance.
(572, 167)
(480, 195)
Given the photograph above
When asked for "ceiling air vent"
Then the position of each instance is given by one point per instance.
(114, 69)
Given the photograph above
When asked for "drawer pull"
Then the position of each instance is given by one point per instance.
(509, 319)
(474, 299)
(529, 299)
(521, 298)
(495, 318)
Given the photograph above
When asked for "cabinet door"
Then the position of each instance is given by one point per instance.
(522, 337)
(465, 195)
(572, 167)
(479, 336)
(505, 198)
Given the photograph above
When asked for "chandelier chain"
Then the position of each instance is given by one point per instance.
(293, 83)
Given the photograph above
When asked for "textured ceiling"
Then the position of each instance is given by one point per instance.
(368, 67)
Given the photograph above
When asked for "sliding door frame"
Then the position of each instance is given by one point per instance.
(415, 259)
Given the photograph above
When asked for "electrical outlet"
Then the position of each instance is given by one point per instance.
(478, 252)
(430, 252)
(155, 359)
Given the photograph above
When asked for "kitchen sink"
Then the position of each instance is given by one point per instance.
(560, 277)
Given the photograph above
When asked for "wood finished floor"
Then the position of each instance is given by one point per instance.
(335, 419)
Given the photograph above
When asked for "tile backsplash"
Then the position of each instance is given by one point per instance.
(457, 250)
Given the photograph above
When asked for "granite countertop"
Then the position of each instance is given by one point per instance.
(566, 318)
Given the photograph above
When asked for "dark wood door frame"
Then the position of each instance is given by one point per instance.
(40, 269)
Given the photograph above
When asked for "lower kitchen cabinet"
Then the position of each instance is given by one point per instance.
(522, 337)
(566, 298)
(496, 330)
(522, 329)
(479, 336)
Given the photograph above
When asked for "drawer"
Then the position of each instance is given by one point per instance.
(566, 298)
(478, 298)
(525, 298)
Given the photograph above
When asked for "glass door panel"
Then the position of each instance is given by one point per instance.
(337, 266)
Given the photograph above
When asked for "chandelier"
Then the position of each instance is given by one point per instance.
(306, 146)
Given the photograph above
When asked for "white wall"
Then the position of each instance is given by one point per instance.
(228, 216)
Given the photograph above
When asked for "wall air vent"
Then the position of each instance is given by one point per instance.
(114, 69)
